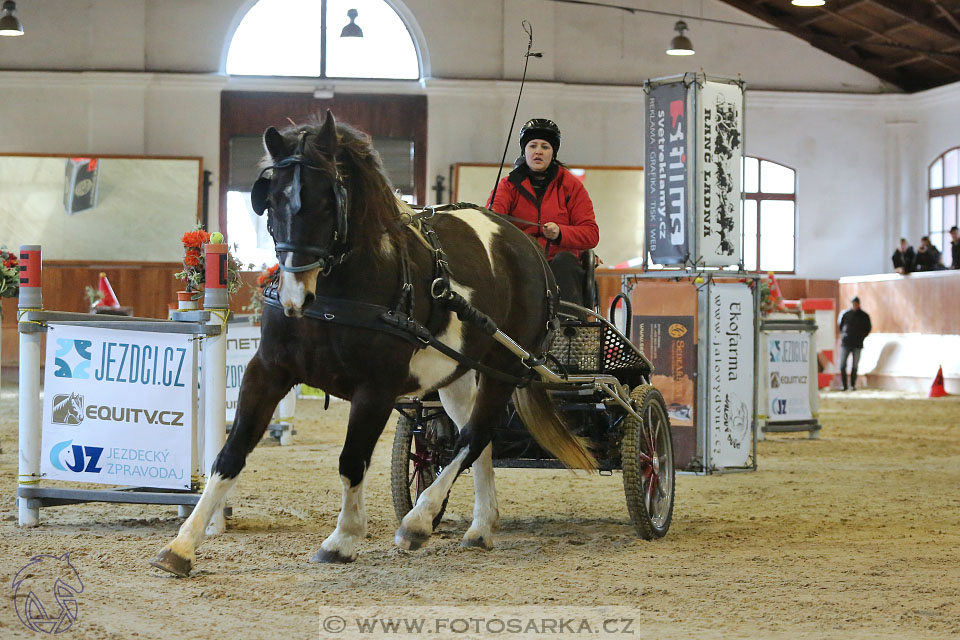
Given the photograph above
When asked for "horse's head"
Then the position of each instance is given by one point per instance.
(306, 203)
(45, 593)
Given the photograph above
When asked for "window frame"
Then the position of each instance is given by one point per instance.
(759, 196)
(942, 192)
(404, 14)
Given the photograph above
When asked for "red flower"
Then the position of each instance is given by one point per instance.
(195, 239)
(191, 259)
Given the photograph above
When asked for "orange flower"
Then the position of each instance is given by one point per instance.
(272, 270)
(191, 259)
(195, 238)
(262, 280)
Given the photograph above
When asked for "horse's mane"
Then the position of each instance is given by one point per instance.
(373, 207)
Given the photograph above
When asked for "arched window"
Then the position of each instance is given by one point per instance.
(769, 216)
(323, 39)
(944, 176)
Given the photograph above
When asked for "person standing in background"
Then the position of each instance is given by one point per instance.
(904, 258)
(854, 327)
(928, 256)
(955, 247)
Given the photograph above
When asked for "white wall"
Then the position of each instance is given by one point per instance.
(861, 159)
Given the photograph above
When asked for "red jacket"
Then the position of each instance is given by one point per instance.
(564, 202)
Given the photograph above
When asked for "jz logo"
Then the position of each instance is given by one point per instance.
(85, 459)
(68, 409)
(73, 358)
(779, 406)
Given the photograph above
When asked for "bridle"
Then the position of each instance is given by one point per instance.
(326, 257)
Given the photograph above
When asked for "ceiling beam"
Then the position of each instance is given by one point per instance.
(946, 14)
(918, 17)
(828, 44)
(819, 14)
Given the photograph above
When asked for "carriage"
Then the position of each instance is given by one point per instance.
(601, 387)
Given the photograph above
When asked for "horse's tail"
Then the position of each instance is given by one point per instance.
(549, 429)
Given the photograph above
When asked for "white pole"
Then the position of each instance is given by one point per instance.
(29, 400)
(217, 302)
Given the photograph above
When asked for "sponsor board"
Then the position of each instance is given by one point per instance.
(667, 194)
(243, 340)
(118, 407)
(730, 375)
(788, 376)
(719, 153)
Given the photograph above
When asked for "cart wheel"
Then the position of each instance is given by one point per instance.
(647, 458)
(420, 452)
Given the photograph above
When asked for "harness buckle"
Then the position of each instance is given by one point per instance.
(439, 288)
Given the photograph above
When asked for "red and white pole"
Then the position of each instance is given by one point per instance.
(31, 299)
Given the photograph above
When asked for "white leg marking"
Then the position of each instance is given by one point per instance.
(419, 522)
(486, 514)
(351, 523)
(458, 399)
(485, 228)
(194, 529)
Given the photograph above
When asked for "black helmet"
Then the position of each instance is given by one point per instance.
(540, 129)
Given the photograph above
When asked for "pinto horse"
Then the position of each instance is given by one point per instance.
(346, 244)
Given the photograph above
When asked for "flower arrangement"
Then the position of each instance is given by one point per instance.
(267, 276)
(193, 272)
(9, 274)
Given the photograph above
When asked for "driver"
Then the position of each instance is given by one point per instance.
(541, 189)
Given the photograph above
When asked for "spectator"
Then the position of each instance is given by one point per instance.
(928, 256)
(955, 247)
(904, 258)
(854, 327)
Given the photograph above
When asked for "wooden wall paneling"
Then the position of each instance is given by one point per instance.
(918, 303)
(250, 113)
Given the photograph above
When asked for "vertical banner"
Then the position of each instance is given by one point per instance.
(788, 376)
(118, 407)
(243, 340)
(719, 154)
(730, 385)
(666, 174)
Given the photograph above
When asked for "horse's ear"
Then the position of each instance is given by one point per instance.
(273, 143)
(328, 133)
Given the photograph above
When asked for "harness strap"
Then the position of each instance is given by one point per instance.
(353, 313)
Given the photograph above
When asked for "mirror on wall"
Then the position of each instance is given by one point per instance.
(99, 208)
(617, 194)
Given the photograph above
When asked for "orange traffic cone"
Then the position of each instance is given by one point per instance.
(109, 299)
(937, 390)
(775, 294)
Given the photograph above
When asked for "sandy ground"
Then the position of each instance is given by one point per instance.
(852, 535)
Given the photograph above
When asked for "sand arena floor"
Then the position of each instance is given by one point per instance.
(852, 535)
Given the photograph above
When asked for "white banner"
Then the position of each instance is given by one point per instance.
(243, 340)
(719, 153)
(730, 387)
(788, 376)
(118, 407)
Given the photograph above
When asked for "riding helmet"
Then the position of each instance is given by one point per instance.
(540, 129)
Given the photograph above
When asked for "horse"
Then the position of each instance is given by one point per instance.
(351, 255)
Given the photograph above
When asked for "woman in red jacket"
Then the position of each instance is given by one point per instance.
(540, 189)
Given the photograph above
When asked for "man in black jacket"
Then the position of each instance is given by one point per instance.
(854, 327)
(904, 258)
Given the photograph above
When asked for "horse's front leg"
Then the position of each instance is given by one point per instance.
(370, 408)
(260, 392)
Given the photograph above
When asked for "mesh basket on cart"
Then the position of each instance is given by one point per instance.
(594, 347)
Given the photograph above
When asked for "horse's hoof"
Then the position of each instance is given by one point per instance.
(331, 557)
(410, 540)
(170, 562)
(480, 542)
